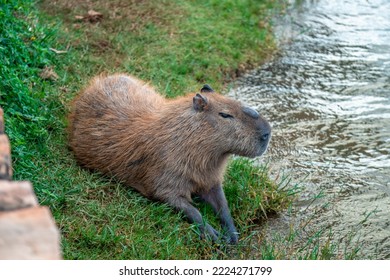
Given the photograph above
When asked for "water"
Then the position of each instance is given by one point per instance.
(327, 96)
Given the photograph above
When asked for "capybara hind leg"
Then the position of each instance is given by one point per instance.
(216, 198)
(194, 216)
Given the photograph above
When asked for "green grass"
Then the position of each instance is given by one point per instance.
(178, 46)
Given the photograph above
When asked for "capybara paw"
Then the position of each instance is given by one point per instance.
(232, 238)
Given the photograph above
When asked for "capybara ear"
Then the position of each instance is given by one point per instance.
(251, 113)
(199, 102)
(206, 88)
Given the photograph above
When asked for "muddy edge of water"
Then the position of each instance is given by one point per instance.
(327, 96)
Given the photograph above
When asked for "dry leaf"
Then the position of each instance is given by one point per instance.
(48, 73)
(92, 16)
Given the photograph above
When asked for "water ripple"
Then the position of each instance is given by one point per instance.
(328, 98)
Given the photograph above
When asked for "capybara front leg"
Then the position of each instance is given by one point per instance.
(194, 216)
(216, 198)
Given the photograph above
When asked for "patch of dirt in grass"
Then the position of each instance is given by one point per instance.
(125, 15)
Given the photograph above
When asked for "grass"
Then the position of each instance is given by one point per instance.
(178, 45)
(47, 55)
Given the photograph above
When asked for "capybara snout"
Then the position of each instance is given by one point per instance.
(167, 149)
(264, 134)
(263, 131)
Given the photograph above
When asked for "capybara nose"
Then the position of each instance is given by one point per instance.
(265, 137)
(265, 132)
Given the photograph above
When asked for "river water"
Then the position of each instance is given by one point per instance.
(327, 96)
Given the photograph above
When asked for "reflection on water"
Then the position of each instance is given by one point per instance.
(328, 98)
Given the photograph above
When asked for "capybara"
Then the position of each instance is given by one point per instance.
(167, 149)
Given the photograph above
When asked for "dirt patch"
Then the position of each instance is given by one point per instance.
(117, 15)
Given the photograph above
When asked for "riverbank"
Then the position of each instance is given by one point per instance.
(49, 54)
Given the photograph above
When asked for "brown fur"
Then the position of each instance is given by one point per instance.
(167, 149)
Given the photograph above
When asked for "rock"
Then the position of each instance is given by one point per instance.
(5, 152)
(16, 195)
(29, 234)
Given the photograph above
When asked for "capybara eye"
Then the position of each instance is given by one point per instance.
(226, 116)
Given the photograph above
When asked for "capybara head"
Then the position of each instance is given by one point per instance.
(241, 130)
